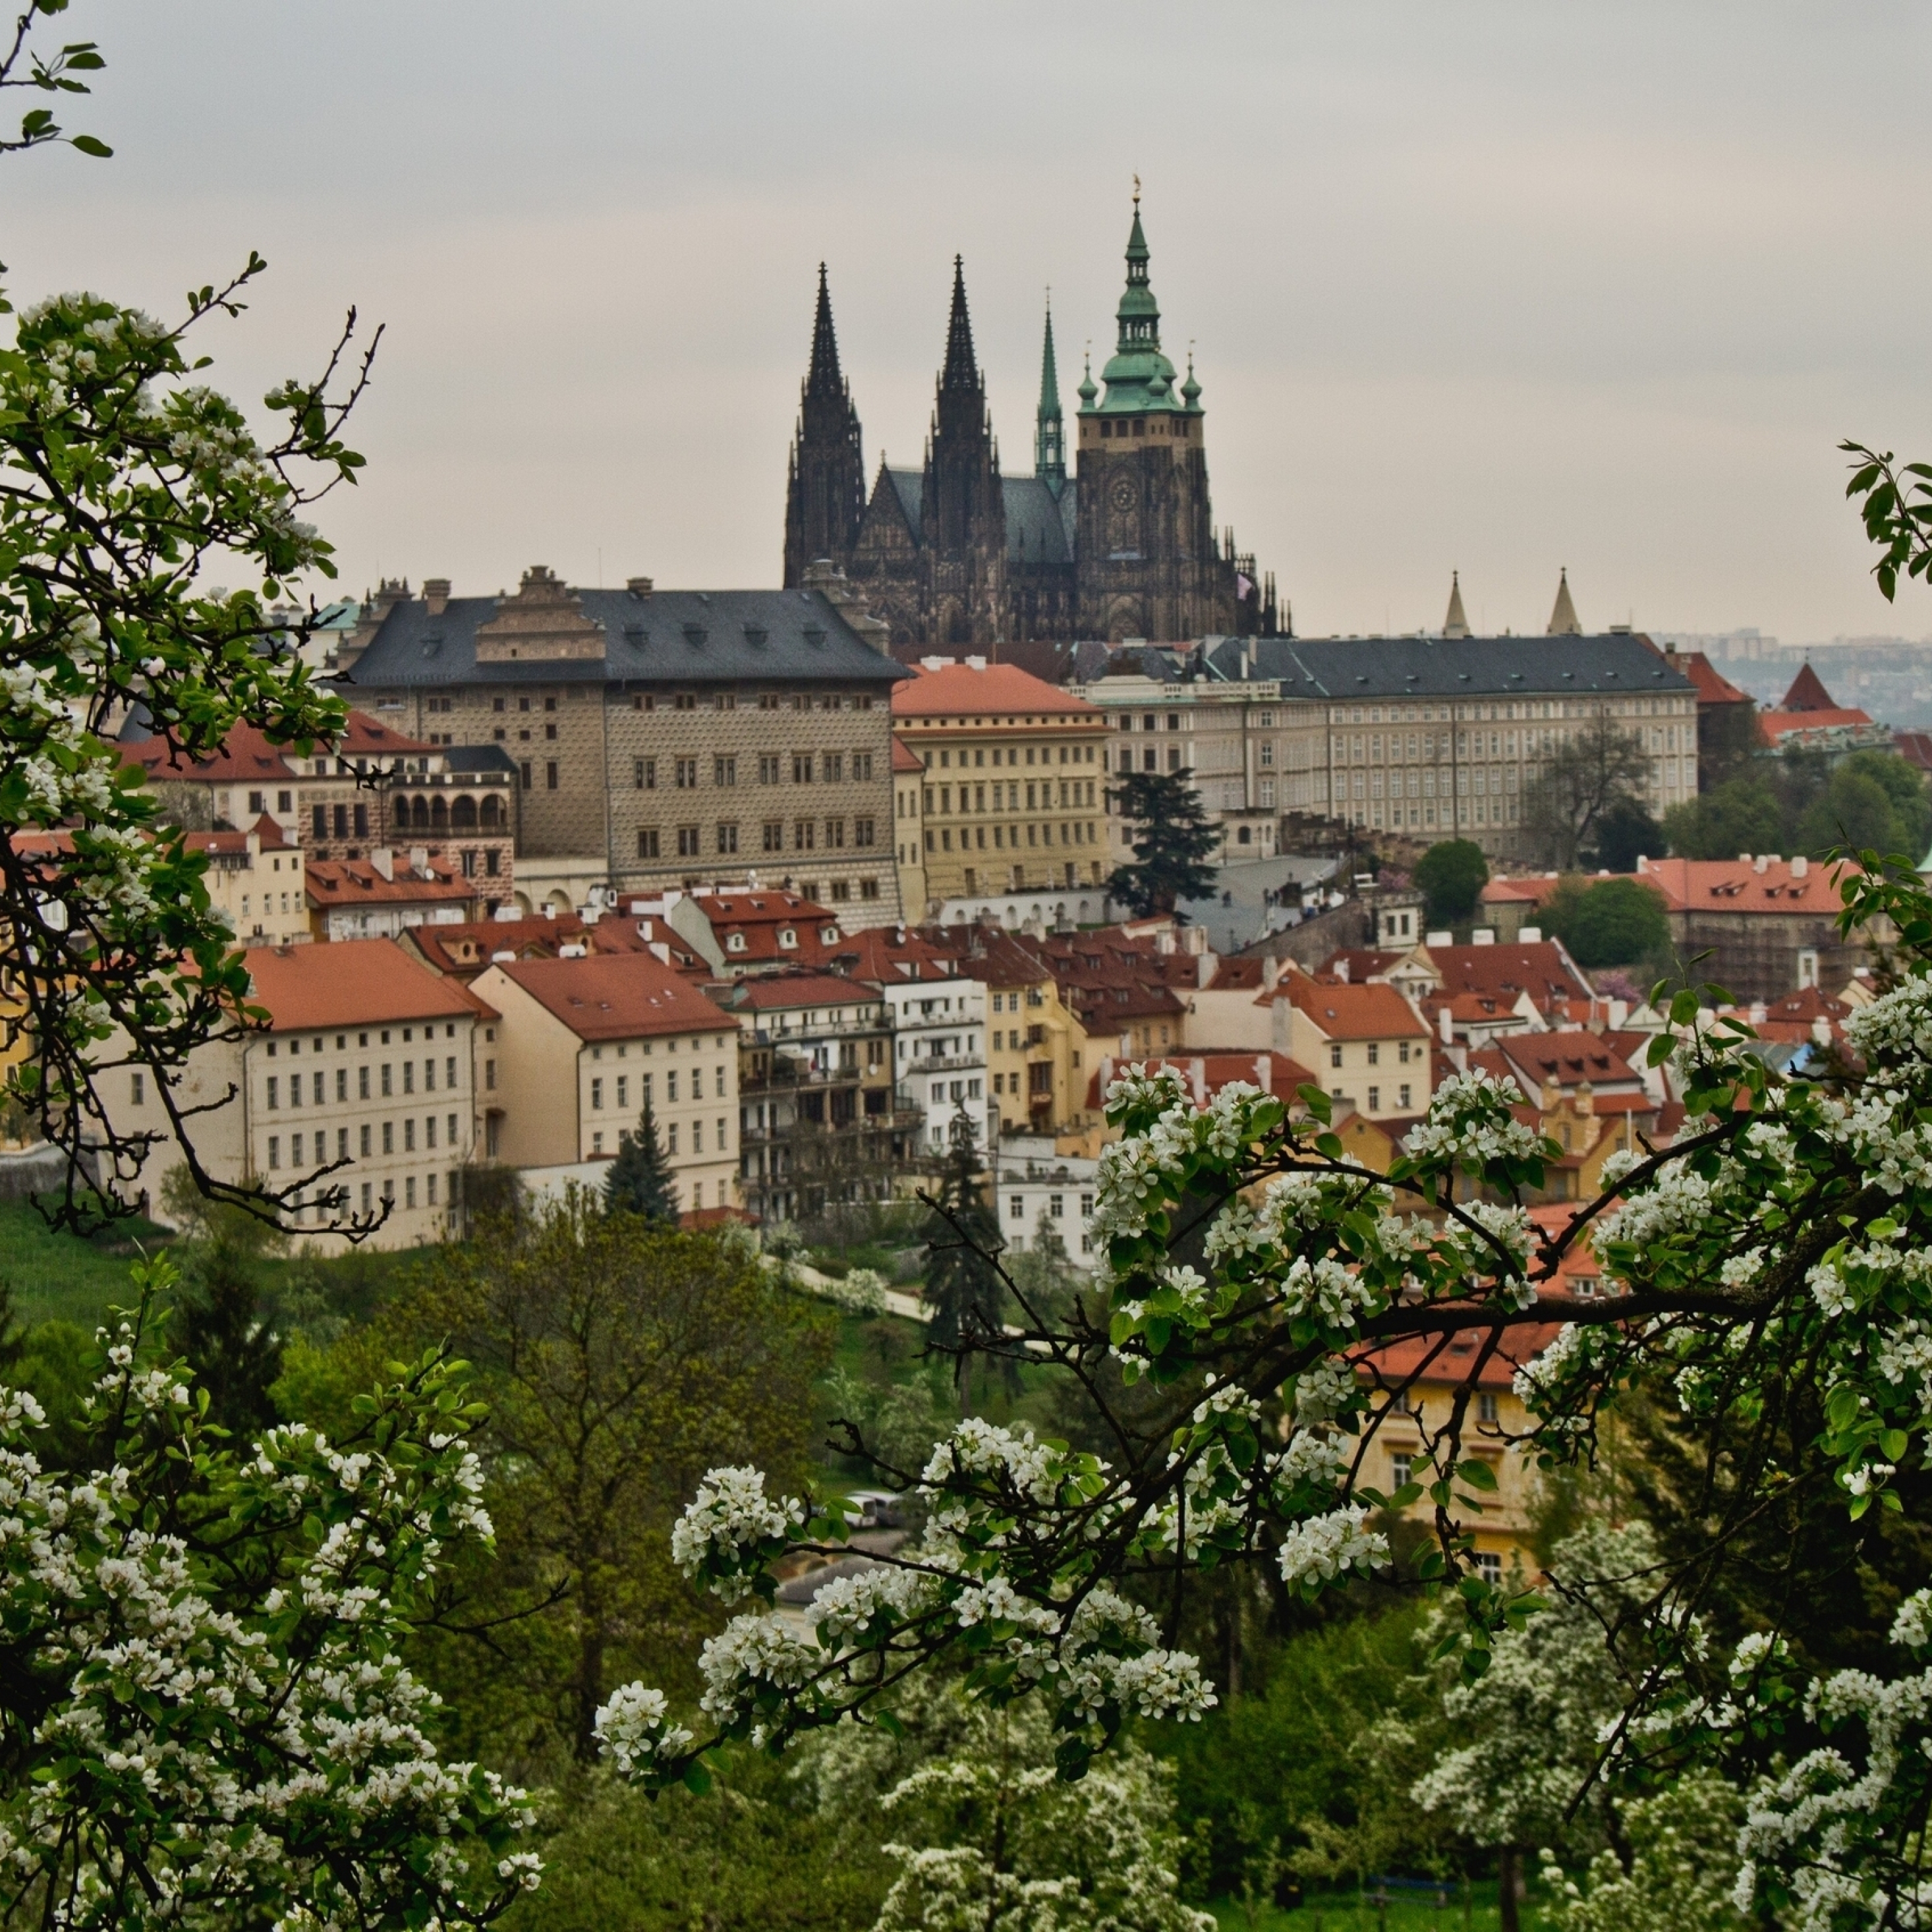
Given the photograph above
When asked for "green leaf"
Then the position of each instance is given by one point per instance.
(696, 1779)
(88, 144)
(1478, 1474)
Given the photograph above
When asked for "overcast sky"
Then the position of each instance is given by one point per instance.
(1493, 286)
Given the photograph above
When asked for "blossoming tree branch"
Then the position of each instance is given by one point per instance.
(1256, 1278)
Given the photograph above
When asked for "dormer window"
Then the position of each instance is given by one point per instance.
(829, 936)
(735, 944)
(787, 938)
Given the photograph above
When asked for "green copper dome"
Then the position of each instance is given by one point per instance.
(1139, 379)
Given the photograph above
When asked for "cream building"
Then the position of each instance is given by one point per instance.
(1014, 772)
(909, 826)
(1367, 1044)
(367, 1067)
(583, 1045)
(1441, 737)
(257, 879)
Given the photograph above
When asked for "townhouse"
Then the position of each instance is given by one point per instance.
(1010, 796)
(1768, 924)
(658, 738)
(360, 1093)
(909, 827)
(584, 1046)
(1368, 1045)
(821, 1118)
(378, 897)
(256, 878)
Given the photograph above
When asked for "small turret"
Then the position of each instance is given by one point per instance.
(1049, 452)
(1456, 625)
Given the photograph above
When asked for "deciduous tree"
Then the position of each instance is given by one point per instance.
(1451, 875)
(1601, 767)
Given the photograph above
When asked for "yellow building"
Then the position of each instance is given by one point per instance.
(1015, 772)
(909, 827)
(1038, 1060)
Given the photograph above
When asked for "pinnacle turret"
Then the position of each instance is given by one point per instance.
(1456, 625)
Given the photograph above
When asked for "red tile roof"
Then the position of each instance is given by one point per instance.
(1807, 693)
(1567, 1058)
(785, 991)
(1793, 885)
(247, 757)
(353, 882)
(904, 758)
(616, 996)
(956, 689)
(1773, 725)
(1713, 687)
(353, 982)
(1541, 968)
(749, 926)
(1351, 1012)
(1531, 890)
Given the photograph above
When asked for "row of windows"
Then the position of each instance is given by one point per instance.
(1377, 714)
(1069, 755)
(804, 837)
(622, 1085)
(1177, 426)
(328, 1202)
(973, 838)
(1056, 1207)
(1038, 797)
(1373, 1053)
(318, 1082)
(365, 1141)
(721, 1141)
(827, 767)
(692, 700)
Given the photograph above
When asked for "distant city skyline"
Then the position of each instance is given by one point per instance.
(1500, 288)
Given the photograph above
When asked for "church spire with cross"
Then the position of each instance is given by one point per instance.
(1049, 445)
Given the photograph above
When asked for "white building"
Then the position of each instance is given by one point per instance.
(939, 1046)
(1032, 1184)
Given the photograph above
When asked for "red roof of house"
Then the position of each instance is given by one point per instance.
(616, 996)
(1541, 968)
(752, 927)
(1531, 890)
(219, 844)
(1567, 1058)
(1807, 693)
(889, 955)
(784, 992)
(1737, 885)
(1773, 725)
(353, 982)
(1712, 686)
(956, 688)
(989, 954)
(904, 758)
(1915, 747)
(1349, 1012)
(1426, 1361)
(1356, 965)
(341, 882)
(247, 757)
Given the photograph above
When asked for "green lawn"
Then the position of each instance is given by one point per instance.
(1406, 1912)
(61, 1277)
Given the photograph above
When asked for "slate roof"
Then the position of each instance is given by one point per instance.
(665, 637)
(1382, 667)
(910, 486)
(1039, 527)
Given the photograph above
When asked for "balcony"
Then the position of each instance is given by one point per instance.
(791, 1074)
(943, 1062)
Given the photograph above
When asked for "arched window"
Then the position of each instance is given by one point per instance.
(492, 812)
(463, 814)
(439, 813)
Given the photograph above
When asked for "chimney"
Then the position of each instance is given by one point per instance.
(1619, 1012)
(384, 861)
(435, 594)
(1586, 1099)
(1800, 865)
(1762, 862)
(639, 587)
(1530, 935)
(1483, 935)
(1550, 1095)
(1445, 1024)
(1342, 970)
(1197, 1074)
(1270, 974)
(419, 860)
(1204, 971)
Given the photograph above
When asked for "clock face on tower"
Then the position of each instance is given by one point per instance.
(1123, 494)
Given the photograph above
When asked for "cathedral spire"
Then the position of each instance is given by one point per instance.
(962, 371)
(1049, 449)
(1564, 622)
(1456, 625)
(823, 378)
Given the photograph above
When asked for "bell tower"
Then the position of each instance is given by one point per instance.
(825, 489)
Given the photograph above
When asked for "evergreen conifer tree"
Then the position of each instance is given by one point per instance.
(963, 1287)
(228, 1338)
(640, 1181)
(1173, 845)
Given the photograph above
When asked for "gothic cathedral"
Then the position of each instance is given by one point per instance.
(955, 554)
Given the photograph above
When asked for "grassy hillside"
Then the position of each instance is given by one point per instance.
(62, 1277)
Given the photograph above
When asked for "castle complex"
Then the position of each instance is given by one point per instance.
(1122, 546)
